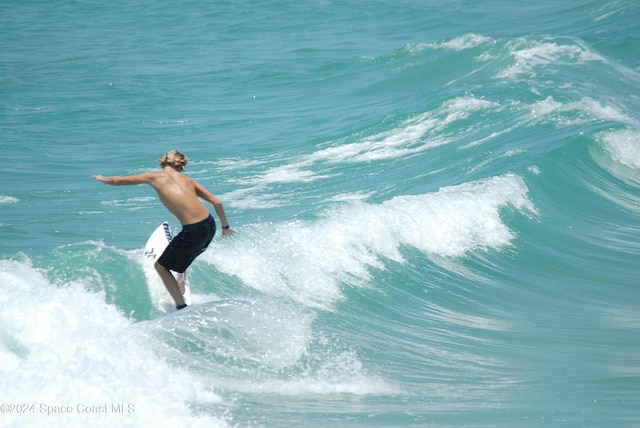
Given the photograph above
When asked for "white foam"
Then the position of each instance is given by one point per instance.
(257, 197)
(129, 201)
(262, 346)
(623, 145)
(235, 163)
(63, 346)
(5, 199)
(412, 136)
(545, 107)
(342, 373)
(586, 110)
(606, 112)
(354, 196)
(131, 204)
(463, 42)
(529, 56)
(267, 346)
(466, 42)
(290, 173)
(308, 261)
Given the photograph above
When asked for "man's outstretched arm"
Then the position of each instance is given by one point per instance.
(131, 180)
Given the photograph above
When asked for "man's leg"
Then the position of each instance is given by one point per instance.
(181, 278)
(170, 283)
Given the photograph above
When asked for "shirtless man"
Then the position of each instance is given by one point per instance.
(179, 194)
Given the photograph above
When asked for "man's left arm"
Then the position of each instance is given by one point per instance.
(217, 205)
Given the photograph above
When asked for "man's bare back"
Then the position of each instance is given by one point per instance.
(179, 194)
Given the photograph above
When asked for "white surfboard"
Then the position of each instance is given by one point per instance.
(154, 248)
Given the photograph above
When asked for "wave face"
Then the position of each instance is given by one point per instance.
(437, 213)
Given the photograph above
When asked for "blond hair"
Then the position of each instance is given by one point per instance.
(174, 159)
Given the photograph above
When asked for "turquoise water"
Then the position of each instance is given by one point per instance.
(436, 203)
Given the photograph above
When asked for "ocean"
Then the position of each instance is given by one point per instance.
(436, 206)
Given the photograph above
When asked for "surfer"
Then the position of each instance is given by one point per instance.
(180, 195)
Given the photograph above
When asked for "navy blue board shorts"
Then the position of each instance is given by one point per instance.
(192, 240)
